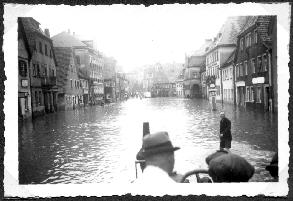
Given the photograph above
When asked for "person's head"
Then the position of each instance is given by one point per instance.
(158, 151)
(222, 115)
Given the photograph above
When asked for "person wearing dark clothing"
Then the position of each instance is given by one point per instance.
(225, 132)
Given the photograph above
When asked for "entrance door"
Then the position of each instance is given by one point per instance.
(266, 98)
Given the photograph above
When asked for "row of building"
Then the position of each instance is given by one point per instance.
(240, 64)
(62, 72)
(159, 79)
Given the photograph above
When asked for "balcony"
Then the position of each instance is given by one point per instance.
(48, 81)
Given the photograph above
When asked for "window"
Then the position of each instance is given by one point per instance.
(71, 84)
(259, 63)
(231, 73)
(22, 68)
(248, 40)
(241, 44)
(38, 70)
(264, 62)
(252, 65)
(245, 68)
(77, 59)
(258, 94)
(46, 51)
(51, 53)
(240, 69)
(40, 47)
(251, 94)
(34, 70)
(255, 36)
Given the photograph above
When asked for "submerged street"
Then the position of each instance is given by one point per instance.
(99, 144)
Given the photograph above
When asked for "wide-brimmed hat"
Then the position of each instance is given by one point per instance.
(156, 143)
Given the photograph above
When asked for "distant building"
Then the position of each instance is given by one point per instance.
(193, 67)
(90, 66)
(221, 49)
(70, 94)
(43, 74)
(254, 70)
(24, 68)
(109, 74)
(179, 85)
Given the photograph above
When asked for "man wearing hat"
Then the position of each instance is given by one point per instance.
(158, 152)
(225, 132)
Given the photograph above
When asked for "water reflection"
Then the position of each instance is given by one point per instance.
(99, 144)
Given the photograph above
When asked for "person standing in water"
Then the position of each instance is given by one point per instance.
(225, 132)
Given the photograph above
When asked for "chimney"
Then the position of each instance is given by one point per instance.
(47, 33)
(73, 33)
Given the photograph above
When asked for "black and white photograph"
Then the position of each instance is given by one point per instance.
(173, 99)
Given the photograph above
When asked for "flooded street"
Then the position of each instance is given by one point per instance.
(99, 144)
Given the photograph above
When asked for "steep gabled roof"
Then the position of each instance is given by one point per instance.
(31, 28)
(229, 31)
(64, 39)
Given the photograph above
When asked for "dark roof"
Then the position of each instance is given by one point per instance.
(31, 28)
(262, 25)
(64, 39)
(21, 34)
(195, 61)
(229, 31)
(230, 60)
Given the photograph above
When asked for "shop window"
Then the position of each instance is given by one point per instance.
(247, 96)
(252, 94)
(22, 68)
(26, 103)
(258, 94)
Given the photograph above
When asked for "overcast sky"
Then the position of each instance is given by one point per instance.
(138, 35)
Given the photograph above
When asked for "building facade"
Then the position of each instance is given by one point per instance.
(254, 69)
(43, 74)
(70, 94)
(223, 45)
(24, 68)
(226, 72)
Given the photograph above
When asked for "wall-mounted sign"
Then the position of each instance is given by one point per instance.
(240, 84)
(24, 83)
(212, 85)
(258, 80)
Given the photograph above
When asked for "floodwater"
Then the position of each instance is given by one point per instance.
(99, 144)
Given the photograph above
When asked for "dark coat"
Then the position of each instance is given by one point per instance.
(225, 128)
